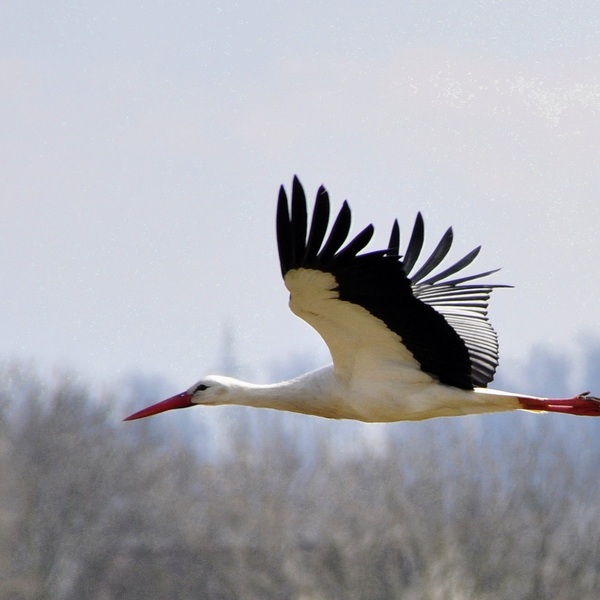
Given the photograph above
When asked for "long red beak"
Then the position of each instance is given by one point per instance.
(180, 401)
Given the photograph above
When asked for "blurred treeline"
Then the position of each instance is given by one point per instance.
(267, 505)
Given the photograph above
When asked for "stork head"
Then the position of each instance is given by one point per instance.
(207, 391)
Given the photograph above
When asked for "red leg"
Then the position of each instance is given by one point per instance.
(582, 405)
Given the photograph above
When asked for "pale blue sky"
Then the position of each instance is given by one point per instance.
(144, 143)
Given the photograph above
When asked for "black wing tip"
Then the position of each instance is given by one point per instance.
(282, 196)
(311, 246)
(299, 243)
(297, 185)
(283, 229)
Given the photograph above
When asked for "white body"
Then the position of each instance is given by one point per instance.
(384, 397)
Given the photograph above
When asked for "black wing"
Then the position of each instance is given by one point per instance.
(442, 322)
(463, 304)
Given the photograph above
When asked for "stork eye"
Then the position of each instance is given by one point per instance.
(201, 388)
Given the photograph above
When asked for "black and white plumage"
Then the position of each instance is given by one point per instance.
(442, 322)
(408, 342)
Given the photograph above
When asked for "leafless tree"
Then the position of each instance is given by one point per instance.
(291, 507)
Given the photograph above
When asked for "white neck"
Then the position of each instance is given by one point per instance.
(308, 394)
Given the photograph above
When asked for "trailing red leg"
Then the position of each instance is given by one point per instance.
(583, 405)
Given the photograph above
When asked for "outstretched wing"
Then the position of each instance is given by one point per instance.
(463, 303)
(367, 308)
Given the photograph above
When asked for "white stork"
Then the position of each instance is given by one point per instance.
(406, 344)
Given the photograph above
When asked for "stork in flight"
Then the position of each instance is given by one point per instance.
(407, 343)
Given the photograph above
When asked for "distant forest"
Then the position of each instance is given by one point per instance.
(233, 503)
